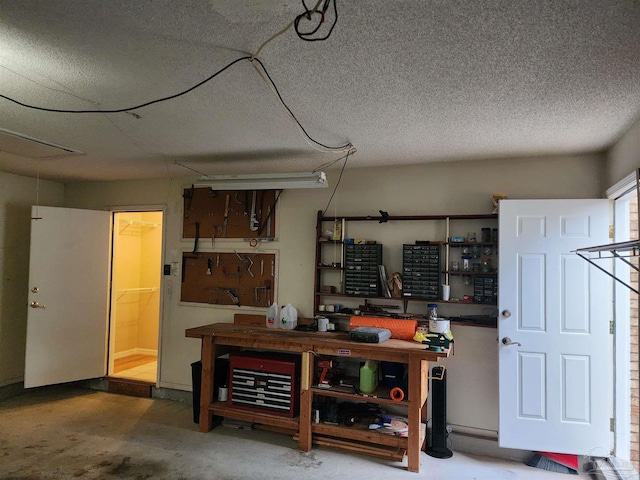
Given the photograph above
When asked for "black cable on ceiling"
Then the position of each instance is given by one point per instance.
(277, 92)
(136, 107)
(179, 94)
(307, 36)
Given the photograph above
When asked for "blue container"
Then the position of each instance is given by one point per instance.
(392, 374)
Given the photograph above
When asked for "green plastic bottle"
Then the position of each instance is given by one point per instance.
(369, 376)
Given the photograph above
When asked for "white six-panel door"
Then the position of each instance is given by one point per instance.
(68, 294)
(556, 376)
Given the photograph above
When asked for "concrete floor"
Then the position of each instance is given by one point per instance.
(65, 432)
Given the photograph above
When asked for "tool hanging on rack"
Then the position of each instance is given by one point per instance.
(247, 262)
(219, 272)
(227, 291)
(253, 222)
(226, 217)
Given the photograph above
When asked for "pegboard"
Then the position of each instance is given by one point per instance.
(243, 279)
(212, 213)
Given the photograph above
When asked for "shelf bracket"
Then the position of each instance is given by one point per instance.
(615, 255)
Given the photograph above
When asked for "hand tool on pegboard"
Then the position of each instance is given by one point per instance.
(195, 242)
(227, 291)
(261, 294)
(253, 221)
(209, 265)
(226, 217)
(188, 196)
(247, 262)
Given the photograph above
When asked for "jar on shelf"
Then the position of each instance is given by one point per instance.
(485, 266)
(466, 263)
(486, 235)
(455, 266)
(432, 311)
(475, 251)
(487, 250)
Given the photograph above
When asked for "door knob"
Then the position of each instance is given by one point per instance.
(507, 341)
(506, 313)
(35, 304)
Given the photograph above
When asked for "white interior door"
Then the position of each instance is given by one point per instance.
(555, 387)
(68, 293)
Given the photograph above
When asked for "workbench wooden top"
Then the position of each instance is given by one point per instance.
(262, 336)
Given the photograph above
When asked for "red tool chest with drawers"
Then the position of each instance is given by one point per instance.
(265, 382)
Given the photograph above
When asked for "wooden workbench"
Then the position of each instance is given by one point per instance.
(222, 338)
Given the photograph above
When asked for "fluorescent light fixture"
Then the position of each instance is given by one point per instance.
(266, 181)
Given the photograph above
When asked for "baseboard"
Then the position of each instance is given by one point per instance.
(135, 351)
(489, 447)
(11, 390)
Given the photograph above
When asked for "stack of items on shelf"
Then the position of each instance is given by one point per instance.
(421, 271)
(361, 276)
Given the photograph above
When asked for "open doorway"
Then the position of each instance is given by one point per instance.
(135, 295)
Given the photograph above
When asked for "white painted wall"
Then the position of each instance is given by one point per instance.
(443, 188)
(624, 157)
(17, 194)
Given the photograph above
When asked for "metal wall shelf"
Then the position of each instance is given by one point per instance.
(621, 250)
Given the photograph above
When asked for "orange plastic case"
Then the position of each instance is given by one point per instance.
(400, 329)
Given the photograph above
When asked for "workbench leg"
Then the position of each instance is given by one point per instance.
(306, 401)
(414, 443)
(208, 358)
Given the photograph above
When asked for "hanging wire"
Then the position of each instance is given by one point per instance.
(307, 14)
(346, 159)
(332, 162)
(271, 84)
(262, 71)
(308, 36)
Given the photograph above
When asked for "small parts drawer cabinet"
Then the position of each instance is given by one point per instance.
(265, 382)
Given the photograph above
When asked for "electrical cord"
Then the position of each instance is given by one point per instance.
(271, 84)
(296, 22)
(328, 164)
(268, 80)
(136, 107)
(253, 58)
(346, 159)
(307, 36)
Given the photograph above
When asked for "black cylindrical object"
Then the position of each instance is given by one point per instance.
(221, 377)
(437, 447)
(196, 383)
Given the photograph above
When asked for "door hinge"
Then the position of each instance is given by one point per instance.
(611, 231)
(612, 425)
(611, 327)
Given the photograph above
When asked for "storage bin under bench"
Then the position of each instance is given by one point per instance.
(265, 382)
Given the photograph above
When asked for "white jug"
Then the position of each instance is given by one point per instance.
(288, 317)
(272, 316)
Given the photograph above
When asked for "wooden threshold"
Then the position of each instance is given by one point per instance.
(133, 388)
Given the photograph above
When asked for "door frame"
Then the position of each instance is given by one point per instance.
(134, 209)
(620, 194)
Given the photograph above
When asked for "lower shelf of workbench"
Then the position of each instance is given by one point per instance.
(360, 439)
(286, 424)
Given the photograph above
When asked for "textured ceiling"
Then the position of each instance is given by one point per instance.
(404, 81)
